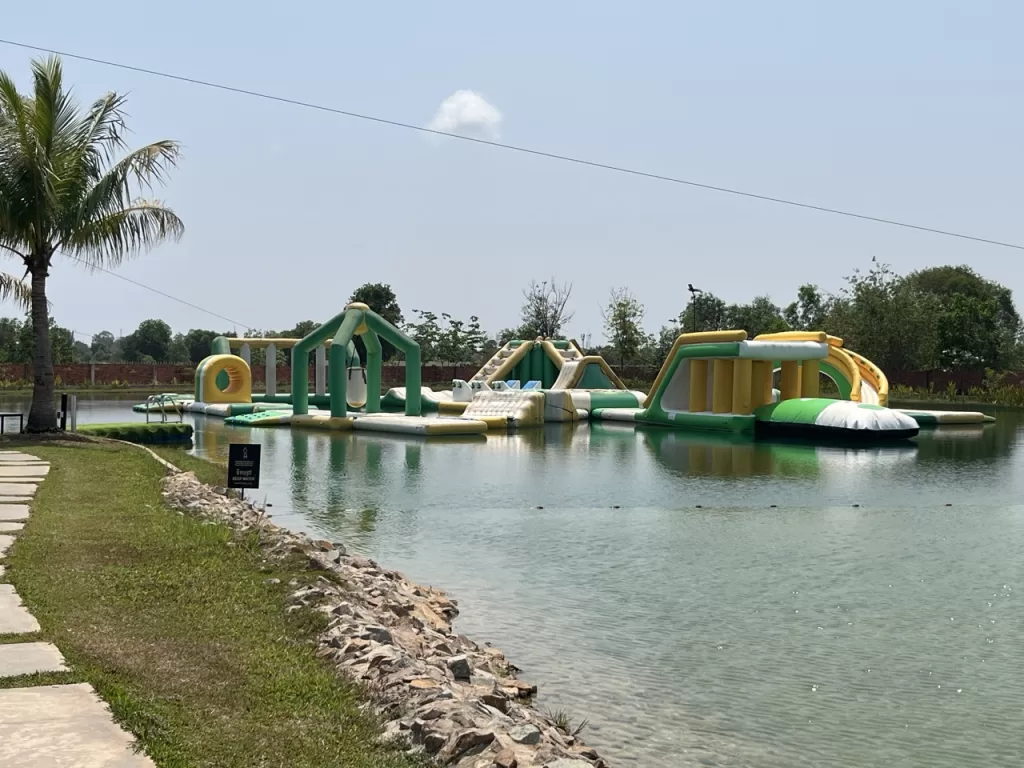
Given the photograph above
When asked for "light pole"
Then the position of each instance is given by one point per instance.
(693, 302)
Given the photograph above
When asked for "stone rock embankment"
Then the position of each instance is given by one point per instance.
(435, 690)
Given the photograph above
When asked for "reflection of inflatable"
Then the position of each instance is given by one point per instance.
(728, 454)
(720, 381)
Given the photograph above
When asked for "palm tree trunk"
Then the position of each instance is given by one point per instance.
(43, 415)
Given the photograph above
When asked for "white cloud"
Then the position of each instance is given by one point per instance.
(468, 113)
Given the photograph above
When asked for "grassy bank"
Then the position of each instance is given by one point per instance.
(177, 625)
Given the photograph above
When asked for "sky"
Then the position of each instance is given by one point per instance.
(908, 110)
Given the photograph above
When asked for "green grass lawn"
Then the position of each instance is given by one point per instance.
(208, 472)
(177, 629)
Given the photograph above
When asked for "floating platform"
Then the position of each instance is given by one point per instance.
(268, 418)
(392, 422)
(416, 425)
(144, 434)
(940, 418)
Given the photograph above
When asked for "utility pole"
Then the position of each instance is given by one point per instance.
(693, 302)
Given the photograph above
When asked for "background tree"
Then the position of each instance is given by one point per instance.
(710, 314)
(177, 352)
(81, 353)
(10, 330)
(545, 310)
(381, 299)
(887, 319)
(150, 342)
(445, 339)
(426, 331)
(104, 348)
(505, 335)
(299, 331)
(659, 344)
(199, 344)
(968, 334)
(61, 188)
(810, 311)
(759, 316)
(976, 321)
(623, 317)
(461, 342)
(62, 341)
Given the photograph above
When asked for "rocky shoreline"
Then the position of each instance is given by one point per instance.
(436, 691)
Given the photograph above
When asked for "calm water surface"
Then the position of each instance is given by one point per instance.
(705, 602)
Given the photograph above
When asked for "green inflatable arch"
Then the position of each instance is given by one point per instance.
(356, 320)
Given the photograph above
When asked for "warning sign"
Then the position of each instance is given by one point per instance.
(243, 465)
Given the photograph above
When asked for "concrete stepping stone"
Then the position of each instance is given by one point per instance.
(6, 542)
(13, 512)
(29, 658)
(62, 726)
(11, 528)
(14, 619)
(24, 470)
(1, 571)
(17, 489)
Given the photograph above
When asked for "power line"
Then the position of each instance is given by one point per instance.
(514, 148)
(90, 265)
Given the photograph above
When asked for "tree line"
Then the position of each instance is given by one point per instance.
(946, 318)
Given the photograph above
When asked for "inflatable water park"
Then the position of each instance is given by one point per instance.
(716, 381)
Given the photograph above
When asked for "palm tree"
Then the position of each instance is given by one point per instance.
(69, 185)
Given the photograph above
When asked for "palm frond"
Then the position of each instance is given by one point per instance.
(54, 109)
(103, 129)
(19, 174)
(61, 184)
(119, 235)
(114, 191)
(12, 110)
(13, 288)
(93, 138)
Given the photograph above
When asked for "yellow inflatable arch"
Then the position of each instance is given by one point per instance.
(223, 379)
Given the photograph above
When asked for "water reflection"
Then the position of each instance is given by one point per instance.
(616, 464)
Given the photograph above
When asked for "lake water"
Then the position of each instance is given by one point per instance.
(704, 602)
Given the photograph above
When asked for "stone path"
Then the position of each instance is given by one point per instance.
(13, 512)
(47, 726)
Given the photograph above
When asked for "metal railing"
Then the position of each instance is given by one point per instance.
(164, 401)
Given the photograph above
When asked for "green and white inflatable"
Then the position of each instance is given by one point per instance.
(816, 418)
